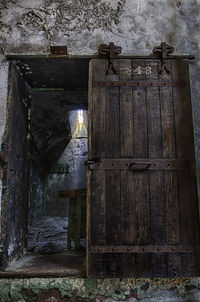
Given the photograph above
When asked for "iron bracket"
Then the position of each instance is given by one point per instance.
(140, 164)
(110, 51)
(163, 51)
(138, 83)
(143, 249)
(58, 51)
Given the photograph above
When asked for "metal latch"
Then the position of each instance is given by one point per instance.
(92, 161)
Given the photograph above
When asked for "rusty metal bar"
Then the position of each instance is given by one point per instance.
(138, 164)
(144, 249)
(137, 83)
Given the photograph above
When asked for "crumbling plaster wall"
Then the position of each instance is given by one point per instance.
(30, 27)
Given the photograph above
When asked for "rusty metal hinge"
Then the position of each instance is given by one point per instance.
(58, 51)
(143, 249)
(110, 51)
(163, 51)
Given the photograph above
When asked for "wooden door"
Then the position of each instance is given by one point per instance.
(142, 209)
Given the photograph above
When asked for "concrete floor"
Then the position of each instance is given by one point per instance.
(70, 264)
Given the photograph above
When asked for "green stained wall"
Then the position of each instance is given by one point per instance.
(99, 290)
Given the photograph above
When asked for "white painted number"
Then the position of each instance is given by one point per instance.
(143, 70)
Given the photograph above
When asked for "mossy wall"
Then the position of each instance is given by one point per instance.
(30, 27)
(99, 290)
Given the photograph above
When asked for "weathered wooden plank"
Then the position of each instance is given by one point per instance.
(157, 206)
(190, 264)
(128, 223)
(141, 179)
(112, 177)
(141, 208)
(170, 191)
(189, 233)
(174, 266)
(96, 214)
(185, 149)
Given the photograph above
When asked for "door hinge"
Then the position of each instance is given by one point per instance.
(110, 51)
(163, 51)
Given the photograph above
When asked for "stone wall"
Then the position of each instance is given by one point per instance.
(99, 290)
(30, 27)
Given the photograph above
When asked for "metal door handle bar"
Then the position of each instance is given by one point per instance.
(138, 164)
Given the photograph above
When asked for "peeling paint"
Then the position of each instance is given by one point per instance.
(30, 27)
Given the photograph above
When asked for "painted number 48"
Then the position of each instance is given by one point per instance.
(143, 70)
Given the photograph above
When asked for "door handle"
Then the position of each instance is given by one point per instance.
(139, 166)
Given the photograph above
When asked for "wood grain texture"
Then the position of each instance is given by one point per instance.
(171, 197)
(96, 212)
(127, 131)
(112, 177)
(189, 228)
(142, 207)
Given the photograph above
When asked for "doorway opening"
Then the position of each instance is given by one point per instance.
(54, 205)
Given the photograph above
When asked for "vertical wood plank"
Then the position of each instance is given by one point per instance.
(134, 207)
(96, 149)
(157, 205)
(112, 177)
(189, 231)
(169, 151)
(170, 177)
(185, 150)
(127, 132)
(140, 178)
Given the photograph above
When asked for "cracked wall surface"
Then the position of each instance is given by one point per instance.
(30, 27)
(99, 290)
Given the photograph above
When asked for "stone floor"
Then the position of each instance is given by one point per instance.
(69, 264)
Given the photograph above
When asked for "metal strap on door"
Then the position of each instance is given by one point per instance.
(137, 83)
(144, 249)
(137, 164)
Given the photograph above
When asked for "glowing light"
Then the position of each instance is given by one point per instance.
(80, 116)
